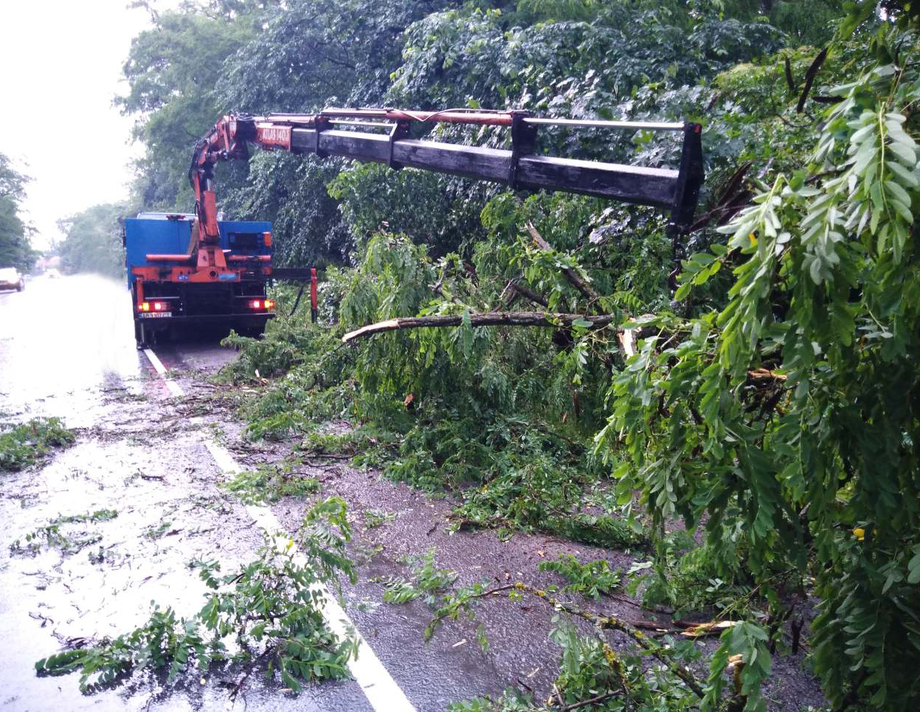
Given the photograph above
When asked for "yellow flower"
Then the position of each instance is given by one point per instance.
(753, 239)
(859, 533)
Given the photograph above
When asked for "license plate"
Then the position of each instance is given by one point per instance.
(154, 315)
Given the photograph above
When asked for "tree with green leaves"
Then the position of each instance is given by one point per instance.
(769, 403)
(15, 246)
(786, 421)
(173, 72)
(93, 240)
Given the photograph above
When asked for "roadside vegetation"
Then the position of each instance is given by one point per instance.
(748, 420)
(93, 240)
(24, 444)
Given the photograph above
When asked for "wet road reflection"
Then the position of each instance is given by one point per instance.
(62, 341)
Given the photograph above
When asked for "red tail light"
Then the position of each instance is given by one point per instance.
(153, 306)
(255, 304)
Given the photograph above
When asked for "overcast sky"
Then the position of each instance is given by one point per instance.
(60, 67)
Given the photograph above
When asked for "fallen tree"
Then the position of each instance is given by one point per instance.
(544, 319)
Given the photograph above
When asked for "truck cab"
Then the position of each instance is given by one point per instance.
(171, 288)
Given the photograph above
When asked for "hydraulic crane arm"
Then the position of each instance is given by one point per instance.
(382, 135)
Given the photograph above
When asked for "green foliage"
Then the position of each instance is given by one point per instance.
(173, 71)
(92, 240)
(434, 585)
(510, 701)
(428, 581)
(271, 607)
(786, 416)
(57, 535)
(573, 67)
(15, 247)
(593, 676)
(590, 667)
(374, 518)
(429, 208)
(771, 406)
(750, 642)
(158, 531)
(688, 578)
(269, 483)
(591, 579)
(23, 445)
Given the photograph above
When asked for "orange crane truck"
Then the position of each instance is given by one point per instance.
(222, 273)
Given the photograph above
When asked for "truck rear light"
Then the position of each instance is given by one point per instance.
(255, 304)
(153, 306)
(269, 304)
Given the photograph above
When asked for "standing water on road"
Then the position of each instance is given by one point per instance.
(95, 533)
(62, 343)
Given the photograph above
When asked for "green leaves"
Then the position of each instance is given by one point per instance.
(913, 567)
(785, 414)
(591, 579)
(23, 444)
(272, 607)
(427, 580)
(746, 641)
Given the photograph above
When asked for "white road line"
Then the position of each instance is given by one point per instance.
(376, 682)
(223, 458)
(173, 387)
(381, 690)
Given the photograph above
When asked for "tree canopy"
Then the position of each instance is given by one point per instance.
(15, 246)
(93, 240)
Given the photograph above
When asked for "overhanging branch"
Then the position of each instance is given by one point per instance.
(543, 319)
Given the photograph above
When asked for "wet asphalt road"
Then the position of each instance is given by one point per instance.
(67, 350)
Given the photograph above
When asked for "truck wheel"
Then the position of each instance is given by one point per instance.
(139, 335)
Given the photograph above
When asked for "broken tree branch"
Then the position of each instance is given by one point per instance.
(544, 319)
(574, 278)
(810, 78)
(612, 623)
(529, 294)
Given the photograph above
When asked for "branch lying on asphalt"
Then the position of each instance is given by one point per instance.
(612, 623)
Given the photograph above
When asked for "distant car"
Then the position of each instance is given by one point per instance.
(53, 273)
(11, 279)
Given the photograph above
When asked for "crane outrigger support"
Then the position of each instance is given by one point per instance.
(382, 135)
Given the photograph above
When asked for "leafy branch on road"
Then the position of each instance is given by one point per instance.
(23, 445)
(56, 534)
(269, 483)
(267, 614)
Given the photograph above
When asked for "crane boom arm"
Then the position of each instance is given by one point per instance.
(382, 135)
